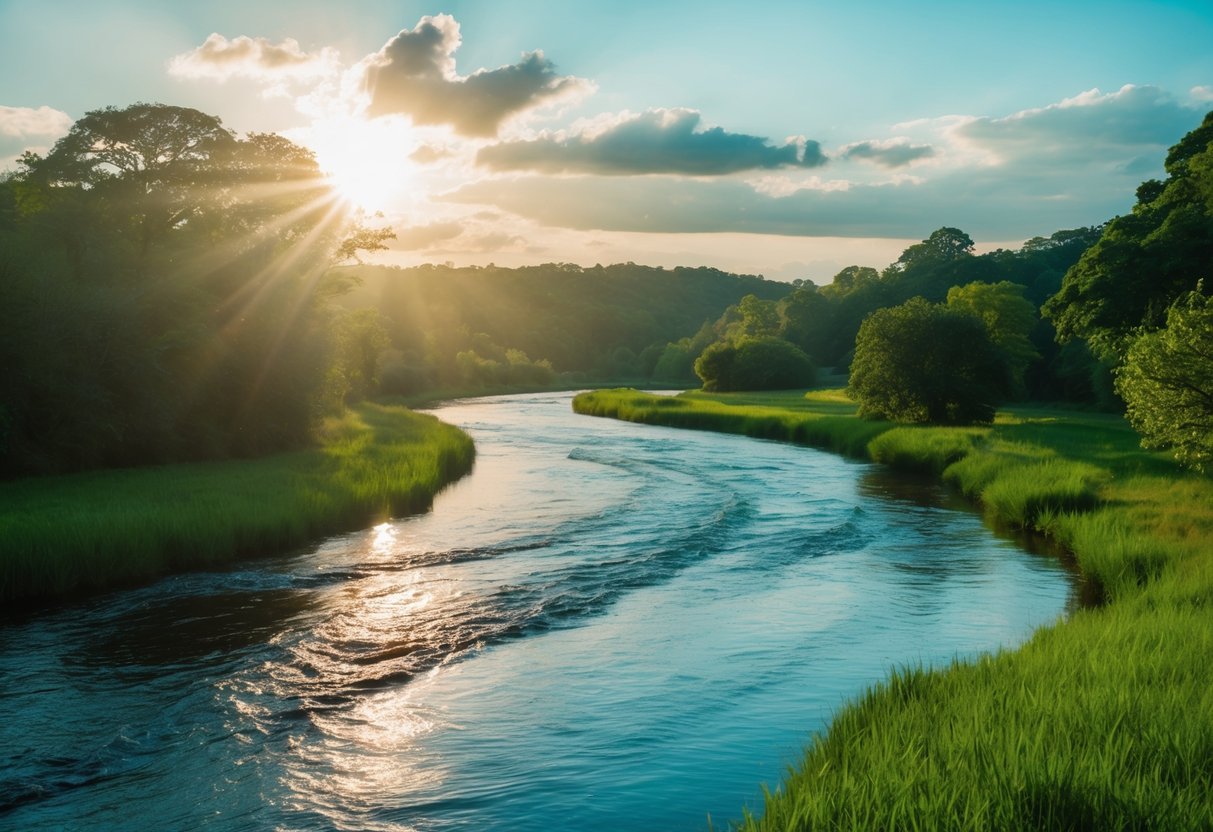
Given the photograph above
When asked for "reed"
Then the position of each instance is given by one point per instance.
(84, 532)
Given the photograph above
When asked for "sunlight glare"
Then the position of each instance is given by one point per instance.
(367, 161)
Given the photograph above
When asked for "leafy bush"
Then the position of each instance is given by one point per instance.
(763, 363)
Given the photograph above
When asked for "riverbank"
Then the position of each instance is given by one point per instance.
(1103, 721)
(80, 533)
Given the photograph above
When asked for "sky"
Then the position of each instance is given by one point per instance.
(788, 139)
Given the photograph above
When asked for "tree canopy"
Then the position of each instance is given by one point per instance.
(1167, 382)
(164, 295)
(754, 363)
(922, 362)
(1145, 260)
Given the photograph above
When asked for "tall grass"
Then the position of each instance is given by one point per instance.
(1103, 721)
(830, 425)
(69, 534)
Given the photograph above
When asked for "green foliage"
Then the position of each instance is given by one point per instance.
(1167, 383)
(763, 363)
(922, 362)
(94, 530)
(1009, 319)
(164, 292)
(929, 450)
(823, 421)
(1145, 260)
(602, 322)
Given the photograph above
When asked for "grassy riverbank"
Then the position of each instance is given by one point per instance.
(1104, 721)
(83, 532)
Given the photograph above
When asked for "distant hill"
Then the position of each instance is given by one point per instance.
(595, 320)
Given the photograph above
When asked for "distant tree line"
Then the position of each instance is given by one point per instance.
(483, 327)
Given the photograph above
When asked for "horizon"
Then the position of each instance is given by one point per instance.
(520, 134)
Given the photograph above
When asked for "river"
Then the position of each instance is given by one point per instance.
(606, 626)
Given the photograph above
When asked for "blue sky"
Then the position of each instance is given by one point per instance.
(785, 138)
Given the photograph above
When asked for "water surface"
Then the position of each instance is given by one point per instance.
(606, 626)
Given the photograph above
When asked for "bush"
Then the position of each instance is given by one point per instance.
(764, 363)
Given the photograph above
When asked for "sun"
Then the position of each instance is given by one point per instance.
(367, 162)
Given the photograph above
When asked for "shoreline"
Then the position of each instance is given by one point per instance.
(74, 535)
(1102, 720)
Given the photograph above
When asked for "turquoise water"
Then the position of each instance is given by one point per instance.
(605, 627)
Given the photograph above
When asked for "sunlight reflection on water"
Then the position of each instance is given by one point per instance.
(605, 626)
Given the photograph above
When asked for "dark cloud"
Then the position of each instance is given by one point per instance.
(414, 74)
(894, 154)
(658, 141)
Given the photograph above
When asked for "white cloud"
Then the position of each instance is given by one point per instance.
(28, 128)
(1089, 128)
(221, 59)
(1203, 94)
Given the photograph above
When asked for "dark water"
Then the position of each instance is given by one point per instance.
(607, 626)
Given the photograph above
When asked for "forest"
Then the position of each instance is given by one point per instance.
(170, 291)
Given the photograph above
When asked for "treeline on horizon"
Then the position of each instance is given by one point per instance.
(170, 291)
(463, 327)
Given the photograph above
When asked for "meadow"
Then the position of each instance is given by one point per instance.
(77, 533)
(1101, 721)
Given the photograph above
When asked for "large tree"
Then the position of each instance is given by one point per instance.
(1145, 260)
(924, 363)
(164, 294)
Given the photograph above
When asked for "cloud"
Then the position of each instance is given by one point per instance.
(414, 74)
(27, 128)
(1091, 127)
(657, 141)
(1202, 94)
(426, 236)
(990, 203)
(220, 59)
(893, 153)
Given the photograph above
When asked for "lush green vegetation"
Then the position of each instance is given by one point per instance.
(754, 363)
(1104, 721)
(1167, 382)
(84, 531)
(470, 328)
(924, 362)
(165, 296)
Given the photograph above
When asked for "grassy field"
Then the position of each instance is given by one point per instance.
(83, 532)
(1103, 721)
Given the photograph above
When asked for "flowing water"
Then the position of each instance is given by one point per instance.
(605, 627)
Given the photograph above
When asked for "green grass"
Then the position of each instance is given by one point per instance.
(84, 532)
(1102, 721)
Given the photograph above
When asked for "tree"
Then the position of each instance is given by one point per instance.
(1146, 260)
(765, 363)
(1167, 382)
(922, 362)
(1008, 317)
